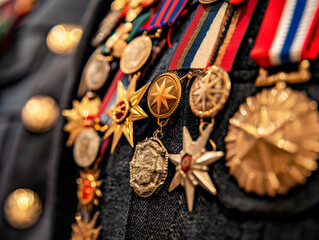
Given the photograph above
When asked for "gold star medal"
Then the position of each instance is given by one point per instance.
(80, 117)
(149, 165)
(208, 95)
(273, 139)
(125, 112)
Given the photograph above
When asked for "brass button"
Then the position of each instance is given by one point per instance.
(22, 208)
(64, 38)
(40, 113)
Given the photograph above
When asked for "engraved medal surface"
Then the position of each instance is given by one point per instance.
(136, 54)
(164, 95)
(273, 141)
(86, 147)
(209, 92)
(149, 166)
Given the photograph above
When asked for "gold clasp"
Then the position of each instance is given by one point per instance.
(300, 76)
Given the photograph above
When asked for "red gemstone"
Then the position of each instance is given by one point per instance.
(186, 163)
(87, 190)
(120, 110)
(118, 115)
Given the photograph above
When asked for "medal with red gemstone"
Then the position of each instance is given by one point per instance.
(208, 95)
(209, 91)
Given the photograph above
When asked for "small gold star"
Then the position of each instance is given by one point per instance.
(125, 112)
(191, 165)
(161, 95)
(84, 229)
(79, 117)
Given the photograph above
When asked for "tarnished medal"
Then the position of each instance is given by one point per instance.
(136, 54)
(208, 95)
(86, 147)
(149, 166)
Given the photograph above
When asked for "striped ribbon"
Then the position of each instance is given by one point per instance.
(195, 47)
(235, 34)
(165, 15)
(288, 33)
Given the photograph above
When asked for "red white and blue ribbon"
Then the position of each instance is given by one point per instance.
(166, 14)
(288, 33)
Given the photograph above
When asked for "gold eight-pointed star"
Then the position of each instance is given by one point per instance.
(161, 95)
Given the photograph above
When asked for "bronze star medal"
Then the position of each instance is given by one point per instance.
(273, 139)
(191, 165)
(149, 165)
(208, 95)
(125, 112)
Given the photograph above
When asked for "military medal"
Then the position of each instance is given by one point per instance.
(136, 54)
(125, 112)
(272, 141)
(138, 51)
(80, 116)
(96, 71)
(86, 147)
(208, 95)
(149, 166)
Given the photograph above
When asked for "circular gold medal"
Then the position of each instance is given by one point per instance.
(209, 92)
(22, 208)
(149, 166)
(86, 147)
(96, 72)
(164, 95)
(272, 142)
(136, 54)
(40, 113)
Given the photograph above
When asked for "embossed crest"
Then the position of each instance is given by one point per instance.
(86, 147)
(209, 92)
(272, 142)
(149, 166)
(164, 95)
(136, 54)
